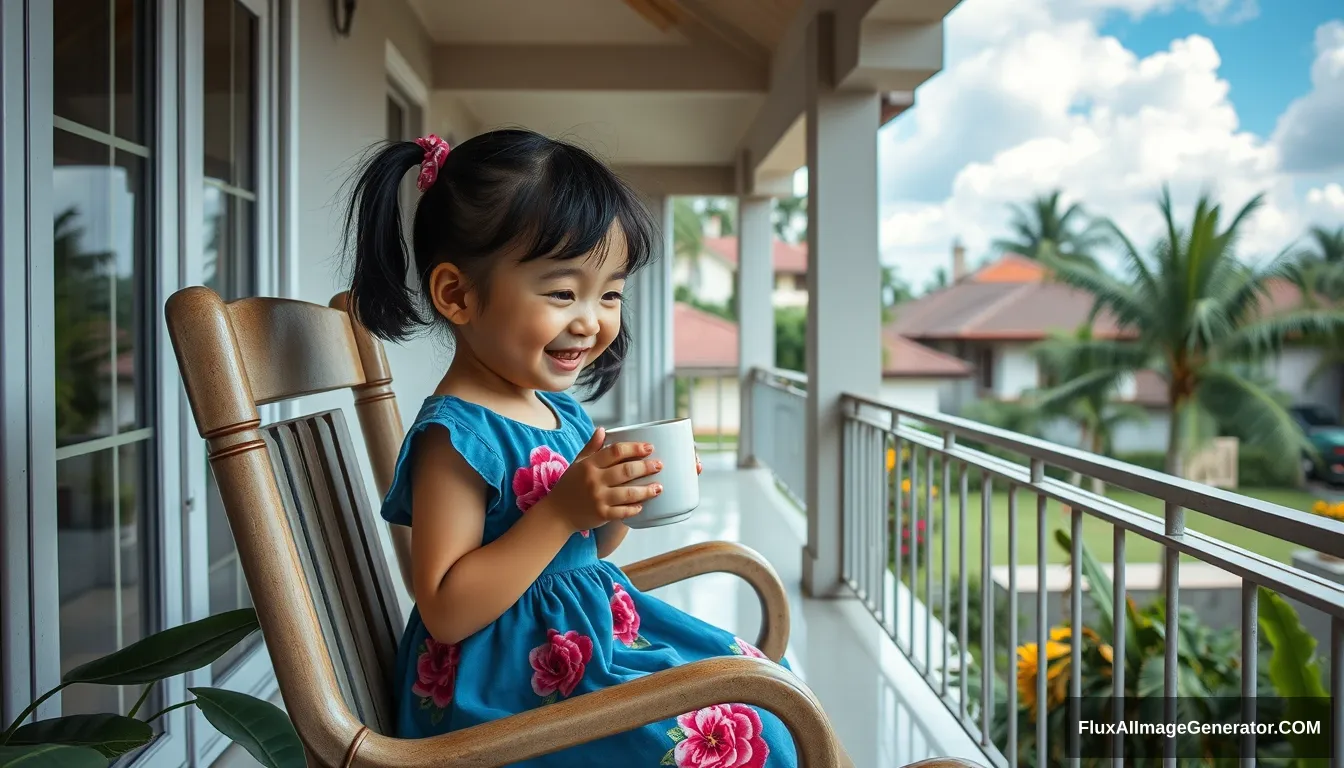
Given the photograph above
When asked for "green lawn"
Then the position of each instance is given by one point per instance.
(1097, 534)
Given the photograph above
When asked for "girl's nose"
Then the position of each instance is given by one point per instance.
(585, 323)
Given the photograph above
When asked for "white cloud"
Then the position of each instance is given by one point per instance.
(1310, 130)
(1325, 204)
(1057, 105)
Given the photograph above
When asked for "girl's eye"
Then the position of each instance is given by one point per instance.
(562, 295)
(613, 296)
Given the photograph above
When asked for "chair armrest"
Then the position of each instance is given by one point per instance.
(724, 557)
(614, 710)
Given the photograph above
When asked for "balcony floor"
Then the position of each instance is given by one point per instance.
(882, 709)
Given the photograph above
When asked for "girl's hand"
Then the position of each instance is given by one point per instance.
(591, 493)
(698, 467)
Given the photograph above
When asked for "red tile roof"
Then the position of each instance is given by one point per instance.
(788, 258)
(704, 340)
(903, 358)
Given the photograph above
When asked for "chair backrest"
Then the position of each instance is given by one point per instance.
(307, 540)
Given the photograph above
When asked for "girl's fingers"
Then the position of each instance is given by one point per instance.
(617, 453)
(623, 512)
(633, 494)
(594, 444)
(626, 471)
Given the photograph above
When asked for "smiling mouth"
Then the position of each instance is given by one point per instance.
(567, 355)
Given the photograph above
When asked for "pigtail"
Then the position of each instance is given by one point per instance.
(379, 295)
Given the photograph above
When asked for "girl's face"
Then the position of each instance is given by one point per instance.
(549, 319)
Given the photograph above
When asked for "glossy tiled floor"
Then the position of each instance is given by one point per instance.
(884, 713)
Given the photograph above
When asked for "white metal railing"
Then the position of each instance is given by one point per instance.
(892, 459)
(777, 402)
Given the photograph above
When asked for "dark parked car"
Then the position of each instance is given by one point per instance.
(1327, 435)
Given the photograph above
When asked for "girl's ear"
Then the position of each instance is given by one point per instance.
(452, 296)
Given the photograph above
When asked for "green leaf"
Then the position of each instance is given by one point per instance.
(640, 643)
(1293, 668)
(676, 734)
(50, 756)
(670, 758)
(1099, 588)
(111, 735)
(259, 727)
(554, 697)
(168, 653)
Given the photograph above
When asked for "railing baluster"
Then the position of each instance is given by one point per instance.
(949, 441)
(718, 417)
(1042, 623)
(1118, 622)
(848, 485)
(1076, 621)
(1336, 688)
(1012, 630)
(913, 548)
(898, 525)
(1175, 519)
(1250, 636)
(878, 528)
(986, 608)
(963, 605)
(870, 511)
(888, 539)
(928, 561)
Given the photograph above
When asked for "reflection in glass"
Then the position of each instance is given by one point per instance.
(132, 52)
(102, 522)
(80, 60)
(230, 93)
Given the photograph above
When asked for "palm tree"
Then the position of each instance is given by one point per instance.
(1083, 392)
(1324, 264)
(1193, 310)
(1041, 230)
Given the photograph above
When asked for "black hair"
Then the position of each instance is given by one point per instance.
(505, 190)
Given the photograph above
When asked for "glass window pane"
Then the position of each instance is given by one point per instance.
(81, 62)
(106, 600)
(245, 97)
(218, 71)
(134, 311)
(132, 51)
(85, 252)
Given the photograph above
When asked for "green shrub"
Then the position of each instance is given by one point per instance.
(1256, 468)
(1154, 460)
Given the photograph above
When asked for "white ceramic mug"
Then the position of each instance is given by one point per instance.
(673, 444)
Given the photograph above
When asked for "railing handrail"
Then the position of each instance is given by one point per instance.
(704, 372)
(1298, 527)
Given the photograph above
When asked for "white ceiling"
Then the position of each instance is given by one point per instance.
(622, 127)
(573, 22)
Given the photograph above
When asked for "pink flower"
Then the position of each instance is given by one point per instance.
(748, 649)
(558, 664)
(721, 736)
(533, 482)
(437, 672)
(624, 617)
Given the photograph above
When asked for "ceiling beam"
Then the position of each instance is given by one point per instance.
(697, 13)
(684, 68)
(665, 180)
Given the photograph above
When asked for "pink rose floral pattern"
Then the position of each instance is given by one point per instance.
(625, 619)
(436, 674)
(533, 482)
(741, 647)
(721, 736)
(558, 664)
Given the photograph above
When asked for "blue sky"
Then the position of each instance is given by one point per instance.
(1262, 86)
(1107, 101)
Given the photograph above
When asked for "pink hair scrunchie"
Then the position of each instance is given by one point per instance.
(436, 151)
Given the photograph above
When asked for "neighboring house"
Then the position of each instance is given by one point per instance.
(992, 318)
(705, 355)
(710, 277)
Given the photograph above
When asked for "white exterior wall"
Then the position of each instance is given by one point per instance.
(1294, 368)
(920, 394)
(1015, 371)
(713, 280)
(715, 406)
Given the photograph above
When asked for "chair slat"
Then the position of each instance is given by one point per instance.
(293, 348)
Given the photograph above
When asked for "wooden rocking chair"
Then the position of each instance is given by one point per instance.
(299, 514)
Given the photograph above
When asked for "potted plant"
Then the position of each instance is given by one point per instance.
(96, 740)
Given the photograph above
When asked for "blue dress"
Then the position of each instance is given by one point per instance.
(579, 628)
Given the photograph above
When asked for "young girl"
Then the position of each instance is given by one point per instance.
(522, 247)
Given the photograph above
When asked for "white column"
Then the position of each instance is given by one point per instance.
(666, 362)
(844, 305)
(755, 309)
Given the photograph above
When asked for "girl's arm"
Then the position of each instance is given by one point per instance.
(461, 586)
(609, 537)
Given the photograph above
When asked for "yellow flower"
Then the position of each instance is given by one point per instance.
(1339, 511)
(905, 485)
(1028, 662)
(1321, 507)
(935, 491)
(891, 459)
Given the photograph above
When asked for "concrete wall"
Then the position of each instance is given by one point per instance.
(1015, 370)
(1293, 369)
